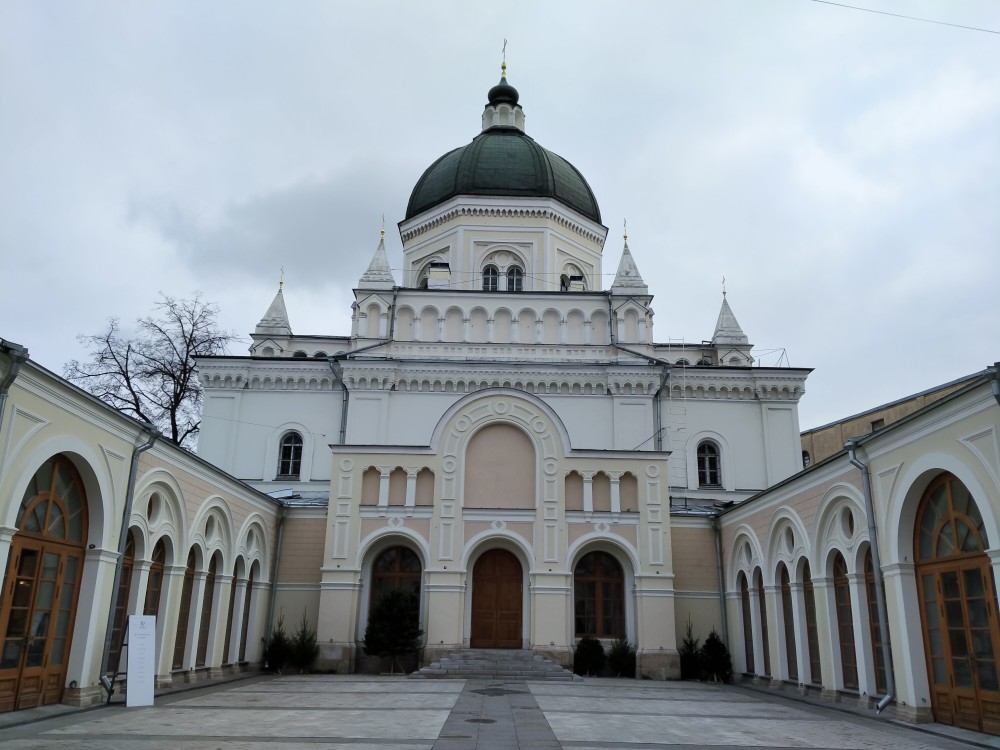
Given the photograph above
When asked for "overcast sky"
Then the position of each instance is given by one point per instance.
(840, 168)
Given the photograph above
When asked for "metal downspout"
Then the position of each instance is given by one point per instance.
(274, 573)
(658, 404)
(338, 373)
(722, 579)
(883, 615)
(392, 313)
(122, 542)
(18, 356)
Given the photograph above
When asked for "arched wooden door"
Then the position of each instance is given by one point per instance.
(496, 601)
(41, 587)
(958, 607)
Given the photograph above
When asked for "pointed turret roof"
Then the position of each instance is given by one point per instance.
(378, 275)
(727, 329)
(275, 320)
(628, 280)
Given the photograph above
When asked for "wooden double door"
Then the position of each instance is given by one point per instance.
(36, 621)
(497, 611)
(958, 607)
(962, 640)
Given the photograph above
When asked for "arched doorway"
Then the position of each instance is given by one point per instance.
(958, 607)
(599, 597)
(41, 587)
(496, 601)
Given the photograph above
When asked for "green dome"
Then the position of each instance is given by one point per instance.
(503, 161)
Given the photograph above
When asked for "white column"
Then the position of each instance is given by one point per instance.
(801, 634)
(588, 331)
(863, 645)
(538, 331)
(778, 668)
(383, 485)
(826, 634)
(217, 624)
(562, 331)
(760, 668)
(411, 487)
(588, 491)
(416, 328)
(465, 330)
(489, 330)
(616, 499)
(238, 604)
(194, 619)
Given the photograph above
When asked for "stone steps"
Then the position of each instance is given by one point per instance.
(515, 664)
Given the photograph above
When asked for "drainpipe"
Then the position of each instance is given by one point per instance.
(122, 541)
(274, 574)
(658, 404)
(18, 356)
(883, 616)
(722, 585)
(338, 373)
(392, 313)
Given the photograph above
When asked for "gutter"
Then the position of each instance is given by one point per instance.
(883, 616)
(722, 582)
(274, 574)
(133, 471)
(18, 356)
(338, 373)
(657, 401)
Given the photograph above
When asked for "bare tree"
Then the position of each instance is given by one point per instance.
(152, 375)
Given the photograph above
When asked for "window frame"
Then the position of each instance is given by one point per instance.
(290, 455)
(708, 457)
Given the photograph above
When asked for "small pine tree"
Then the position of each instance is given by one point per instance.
(621, 658)
(589, 658)
(690, 657)
(278, 648)
(715, 658)
(303, 646)
(392, 626)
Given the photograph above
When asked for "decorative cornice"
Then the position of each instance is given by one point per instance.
(455, 212)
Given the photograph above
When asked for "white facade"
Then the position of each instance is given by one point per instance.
(499, 317)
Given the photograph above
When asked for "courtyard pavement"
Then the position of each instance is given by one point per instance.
(334, 712)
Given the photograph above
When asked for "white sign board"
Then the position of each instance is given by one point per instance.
(141, 660)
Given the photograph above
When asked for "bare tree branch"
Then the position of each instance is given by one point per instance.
(152, 375)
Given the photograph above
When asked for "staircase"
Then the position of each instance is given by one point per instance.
(519, 664)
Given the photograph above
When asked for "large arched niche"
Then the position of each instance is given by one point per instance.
(499, 468)
(909, 487)
(97, 484)
(534, 422)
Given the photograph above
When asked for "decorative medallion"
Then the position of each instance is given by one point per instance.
(346, 465)
(498, 525)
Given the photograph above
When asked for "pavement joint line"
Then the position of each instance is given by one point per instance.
(867, 716)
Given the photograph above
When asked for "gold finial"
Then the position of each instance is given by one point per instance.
(625, 224)
(383, 226)
(503, 64)
(723, 288)
(281, 281)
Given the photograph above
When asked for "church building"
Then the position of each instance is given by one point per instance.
(508, 438)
